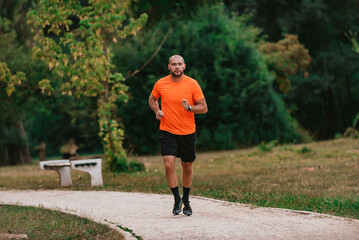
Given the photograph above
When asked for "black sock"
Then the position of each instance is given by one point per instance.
(185, 197)
(176, 194)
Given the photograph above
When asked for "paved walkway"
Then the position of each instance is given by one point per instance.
(150, 216)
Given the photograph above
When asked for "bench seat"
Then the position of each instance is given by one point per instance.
(62, 167)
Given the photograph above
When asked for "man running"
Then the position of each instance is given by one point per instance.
(181, 98)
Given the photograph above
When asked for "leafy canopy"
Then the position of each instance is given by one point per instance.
(8, 39)
(74, 38)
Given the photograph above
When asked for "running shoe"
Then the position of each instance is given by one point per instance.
(177, 207)
(187, 210)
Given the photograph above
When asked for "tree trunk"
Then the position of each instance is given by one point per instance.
(25, 157)
(17, 153)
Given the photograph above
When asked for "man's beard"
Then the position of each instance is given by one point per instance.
(176, 75)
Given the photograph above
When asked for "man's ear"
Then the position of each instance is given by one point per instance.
(169, 67)
(184, 67)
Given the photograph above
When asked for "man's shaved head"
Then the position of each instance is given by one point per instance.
(175, 57)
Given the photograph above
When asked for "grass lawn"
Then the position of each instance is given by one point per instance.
(320, 177)
(39, 223)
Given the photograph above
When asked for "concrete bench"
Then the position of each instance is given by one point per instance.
(62, 167)
(92, 167)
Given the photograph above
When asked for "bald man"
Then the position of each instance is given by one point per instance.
(181, 98)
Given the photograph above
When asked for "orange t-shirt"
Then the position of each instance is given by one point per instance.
(176, 119)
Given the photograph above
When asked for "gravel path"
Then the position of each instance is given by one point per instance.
(150, 216)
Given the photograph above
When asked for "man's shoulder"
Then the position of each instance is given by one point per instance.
(192, 80)
(165, 78)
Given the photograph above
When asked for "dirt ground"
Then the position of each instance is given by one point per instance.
(150, 216)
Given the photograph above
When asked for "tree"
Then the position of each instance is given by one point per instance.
(27, 116)
(15, 149)
(286, 57)
(73, 38)
(14, 145)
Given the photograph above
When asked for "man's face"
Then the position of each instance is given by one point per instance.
(176, 66)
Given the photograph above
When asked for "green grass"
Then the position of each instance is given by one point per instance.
(320, 177)
(39, 223)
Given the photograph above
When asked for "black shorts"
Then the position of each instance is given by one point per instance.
(182, 146)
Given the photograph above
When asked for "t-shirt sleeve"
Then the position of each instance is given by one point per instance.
(155, 91)
(197, 94)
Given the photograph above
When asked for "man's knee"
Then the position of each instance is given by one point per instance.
(169, 166)
(187, 166)
(169, 163)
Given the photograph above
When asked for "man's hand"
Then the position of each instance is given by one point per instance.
(185, 104)
(159, 114)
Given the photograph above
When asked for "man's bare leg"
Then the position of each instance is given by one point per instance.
(170, 169)
(171, 176)
(187, 174)
(187, 177)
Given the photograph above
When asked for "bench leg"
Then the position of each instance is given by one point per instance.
(65, 177)
(95, 174)
(92, 167)
(96, 177)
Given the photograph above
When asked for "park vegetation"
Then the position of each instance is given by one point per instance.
(282, 72)
(279, 77)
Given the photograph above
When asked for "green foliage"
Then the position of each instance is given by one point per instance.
(356, 121)
(13, 139)
(286, 57)
(352, 36)
(267, 147)
(326, 100)
(39, 114)
(305, 150)
(73, 39)
(220, 52)
(119, 163)
(8, 38)
(44, 118)
(11, 80)
(55, 120)
(161, 10)
(353, 131)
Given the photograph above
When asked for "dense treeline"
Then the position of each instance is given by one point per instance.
(326, 102)
(220, 42)
(220, 52)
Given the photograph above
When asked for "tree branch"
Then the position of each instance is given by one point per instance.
(150, 59)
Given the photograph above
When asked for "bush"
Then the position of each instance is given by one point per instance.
(119, 163)
(305, 150)
(352, 131)
(267, 147)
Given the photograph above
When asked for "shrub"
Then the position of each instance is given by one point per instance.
(119, 163)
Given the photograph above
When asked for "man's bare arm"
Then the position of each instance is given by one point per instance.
(199, 108)
(153, 102)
